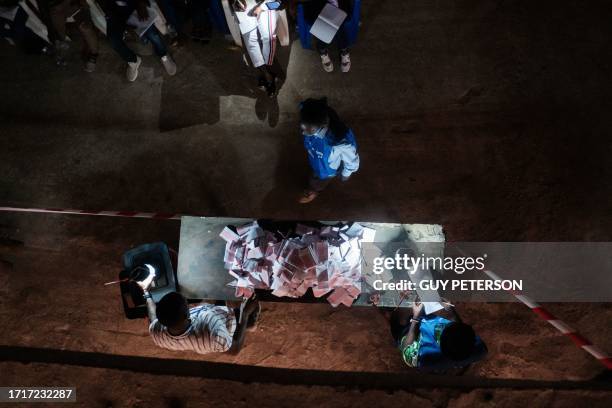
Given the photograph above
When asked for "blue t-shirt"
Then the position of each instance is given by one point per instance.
(319, 148)
(425, 351)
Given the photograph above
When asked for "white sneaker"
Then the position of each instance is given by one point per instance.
(132, 69)
(169, 64)
(327, 63)
(345, 62)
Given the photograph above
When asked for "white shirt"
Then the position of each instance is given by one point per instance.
(212, 329)
(247, 22)
(346, 155)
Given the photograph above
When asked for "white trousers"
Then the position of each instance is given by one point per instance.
(261, 41)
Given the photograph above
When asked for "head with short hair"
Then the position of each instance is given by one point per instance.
(457, 341)
(314, 114)
(172, 310)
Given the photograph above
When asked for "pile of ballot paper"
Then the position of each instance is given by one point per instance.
(326, 259)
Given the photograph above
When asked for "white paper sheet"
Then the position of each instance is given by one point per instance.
(327, 24)
(141, 27)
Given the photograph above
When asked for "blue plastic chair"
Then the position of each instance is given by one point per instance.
(351, 25)
(217, 17)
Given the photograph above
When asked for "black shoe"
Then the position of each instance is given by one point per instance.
(262, 83)
(271, 88)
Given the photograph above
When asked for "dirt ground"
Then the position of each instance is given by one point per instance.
(124, 389)
(489, 118)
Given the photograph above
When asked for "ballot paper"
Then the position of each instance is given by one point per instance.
(432, 307)
(326, 260)
(139, 26)
(327, 24)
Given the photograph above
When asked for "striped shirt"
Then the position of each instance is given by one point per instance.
(211, 330)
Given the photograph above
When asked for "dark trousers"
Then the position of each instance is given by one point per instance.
(199, 14)
(116, 26)
(177, 14)
(317, 185)
(312, 9)
(169, 9)
(340, 39)
(61, 10)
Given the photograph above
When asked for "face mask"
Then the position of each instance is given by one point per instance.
(309, 131)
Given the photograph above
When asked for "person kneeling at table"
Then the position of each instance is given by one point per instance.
(435, 342)
(205, 328)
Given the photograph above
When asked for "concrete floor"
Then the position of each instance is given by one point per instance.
(490, 118)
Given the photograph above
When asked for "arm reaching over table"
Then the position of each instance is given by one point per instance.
(145, 286)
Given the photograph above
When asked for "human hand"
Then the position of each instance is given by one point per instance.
(239, 5)
(251, 306)
(417, 310)
(257, 11)
(142, 11)
(146, 283)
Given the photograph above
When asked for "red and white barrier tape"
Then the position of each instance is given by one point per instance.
(128, 214)
(561, 326)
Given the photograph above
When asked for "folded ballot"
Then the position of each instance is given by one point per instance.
(327, 24)
(326, 260)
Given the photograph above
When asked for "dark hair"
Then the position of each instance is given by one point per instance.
(457, 341)
(316, 112)
(172, 309)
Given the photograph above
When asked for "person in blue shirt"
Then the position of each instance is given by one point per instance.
(437, 342)
(330, 145)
